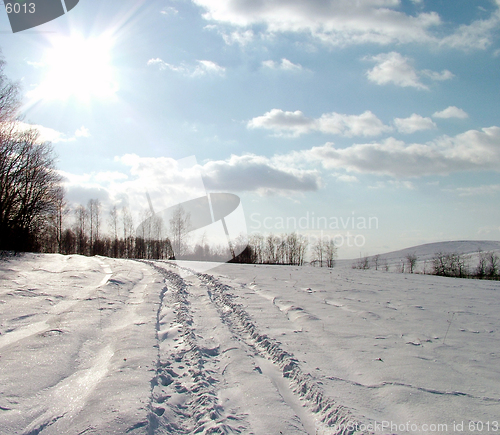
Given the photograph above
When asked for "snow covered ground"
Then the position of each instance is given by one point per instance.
(106, 346)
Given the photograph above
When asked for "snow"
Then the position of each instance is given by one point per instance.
(99, 345)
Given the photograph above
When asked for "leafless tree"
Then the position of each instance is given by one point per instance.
(128, 233)
(411, 261)
(362, 263)
(331, 253)
(319, 252)
(180, 224)
(81, 230)
(113, 223)
(29, 184)
(449, 264)
(10, 99)
(492, 269)
(60, 211)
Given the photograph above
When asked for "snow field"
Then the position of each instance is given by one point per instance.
(98, 345)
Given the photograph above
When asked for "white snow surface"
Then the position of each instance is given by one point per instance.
(107, 346)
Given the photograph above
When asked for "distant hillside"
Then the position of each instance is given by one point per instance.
(425, 253)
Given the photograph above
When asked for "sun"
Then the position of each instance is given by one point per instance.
(78, 67)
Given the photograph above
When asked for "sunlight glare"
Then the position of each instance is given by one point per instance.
(80, 68)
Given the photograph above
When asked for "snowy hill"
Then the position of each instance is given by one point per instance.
(425, 253)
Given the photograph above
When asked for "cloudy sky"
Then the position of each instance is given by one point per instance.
(332, 111)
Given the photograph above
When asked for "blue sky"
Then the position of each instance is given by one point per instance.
(324, 108)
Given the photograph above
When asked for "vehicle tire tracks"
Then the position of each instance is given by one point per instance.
(184, 396)
(331, 416)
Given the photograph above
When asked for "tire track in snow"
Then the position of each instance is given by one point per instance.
(184, 396)
(337, 419)
(331, 414)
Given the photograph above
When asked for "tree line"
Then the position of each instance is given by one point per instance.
(29, 184)
(449, 264)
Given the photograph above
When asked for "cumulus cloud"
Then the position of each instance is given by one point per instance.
(333, 21)
(169, 182)
(257, 173)
(202, 68)
(296, 123)
(451, 112)
(396, 69)
(340, 22)
(477, 35)
(47, 134)
(413, 123)
(238, 37)
(293, 123)
(472, 150)
(284, 65)
(82, 132)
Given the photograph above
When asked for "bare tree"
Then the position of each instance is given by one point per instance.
(331, 253)
(57, 219)
(81, 230)
(319, 252)
(10, 99)
(180, 224)
(492, 269)
(113, 223)
(128, 232)
(411, 261)
(29, 185)
(449, 264)
(362, 263)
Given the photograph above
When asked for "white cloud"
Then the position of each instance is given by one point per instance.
(293, 123)
(204, 67)
(485, 190)
(366, 124)
(341, 22)
(335, 22)
(477, 35)
(472, 150)
(257, 173)
(396, 69)
(347, 178)
(169, 182)
(208, 67)
(451, 112)
(169, 10)
(47, 134)
(82, 132)
(296, 123)
(284, 65)
(413, 123)
(433, 75)
(35, 65)
(238, 37)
